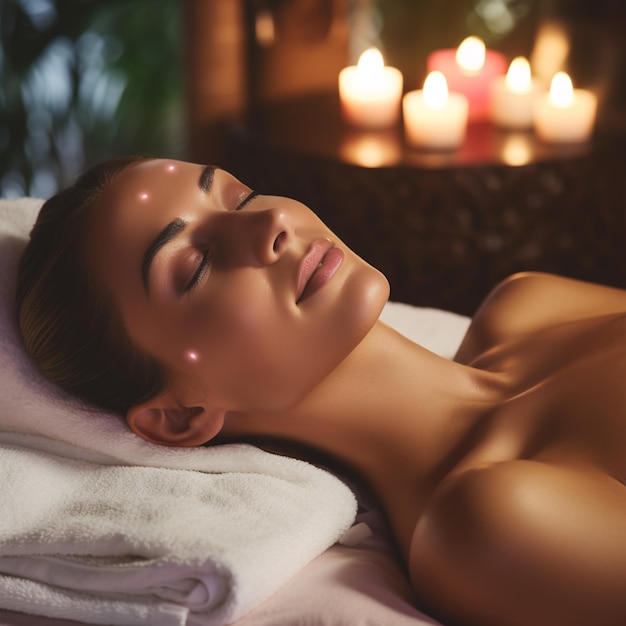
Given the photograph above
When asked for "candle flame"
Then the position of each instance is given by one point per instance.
(435, 91)
(518, 76)
(371, 61)
(470, 55)
(561, 90)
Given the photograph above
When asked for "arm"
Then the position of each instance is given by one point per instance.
(531, 301)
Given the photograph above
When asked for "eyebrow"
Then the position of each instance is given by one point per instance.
(173, 229)
(205, 182)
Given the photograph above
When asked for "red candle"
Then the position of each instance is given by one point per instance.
(470, 69)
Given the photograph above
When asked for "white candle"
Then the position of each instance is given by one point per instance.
(433, 118)
(370, 92)
(513, 97)
(565, 115)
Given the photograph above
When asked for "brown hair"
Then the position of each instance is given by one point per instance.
(69, 325)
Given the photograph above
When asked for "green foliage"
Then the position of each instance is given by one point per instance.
(83, 80)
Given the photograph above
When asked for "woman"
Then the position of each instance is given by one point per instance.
(174, 294)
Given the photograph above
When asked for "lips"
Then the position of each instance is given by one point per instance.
(317, 267)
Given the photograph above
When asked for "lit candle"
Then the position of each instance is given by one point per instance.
(470, 69)
(434, 118)
(565, 114)
(513, 96)
(370, 92)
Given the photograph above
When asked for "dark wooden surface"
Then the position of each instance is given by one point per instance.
(444, 228)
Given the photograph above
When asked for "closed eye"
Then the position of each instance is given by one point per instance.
(201, 270)
(205, 261)
(251, 196)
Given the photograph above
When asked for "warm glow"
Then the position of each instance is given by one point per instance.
(143, 196)
(516, 150)
(370, 92)
(435, 91)
(550, 52)
(561, 90)
(371, 150)
(518, 77)
(371, 62)
(470, 55)
(264, 28)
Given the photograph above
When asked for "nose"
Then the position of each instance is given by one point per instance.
(259, 237)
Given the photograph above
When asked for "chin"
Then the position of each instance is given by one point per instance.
(364, 296)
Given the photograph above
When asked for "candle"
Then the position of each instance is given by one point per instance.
(470, 70)
(565, 114)
(370, 92)
(513, 96)
(434, 118)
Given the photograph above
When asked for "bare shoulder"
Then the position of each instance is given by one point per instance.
(524, 542)
(531, 301)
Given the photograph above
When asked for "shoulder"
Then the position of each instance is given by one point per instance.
(505, 540)
(528, 302)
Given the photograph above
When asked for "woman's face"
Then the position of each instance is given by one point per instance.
(247, 299)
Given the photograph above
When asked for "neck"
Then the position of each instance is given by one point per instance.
(391, 411)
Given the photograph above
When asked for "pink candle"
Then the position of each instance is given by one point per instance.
(470, 69)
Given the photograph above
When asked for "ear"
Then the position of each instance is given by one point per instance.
(163, 420)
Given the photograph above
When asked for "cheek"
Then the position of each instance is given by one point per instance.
(240, 341)
(259, 353)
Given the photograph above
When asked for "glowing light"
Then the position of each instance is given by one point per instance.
(518, 78)
(171, 167)
(371, 149)
(470, 54)
(264, 28)
(370, 62)
(192, 356)
(561, 90)
(516, 150)
(370, 92)
(143, 196)
(435, 91)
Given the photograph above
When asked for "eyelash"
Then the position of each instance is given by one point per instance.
(251, 196)
(206, 257)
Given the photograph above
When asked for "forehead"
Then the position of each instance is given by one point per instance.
(135, 206)
(144, 192)
(150, 180)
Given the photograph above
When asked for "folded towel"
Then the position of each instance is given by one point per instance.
(98, 525)
(176, 544)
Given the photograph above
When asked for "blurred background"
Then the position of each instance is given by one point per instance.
(81, 80)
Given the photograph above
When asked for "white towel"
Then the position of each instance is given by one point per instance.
(101, 526)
